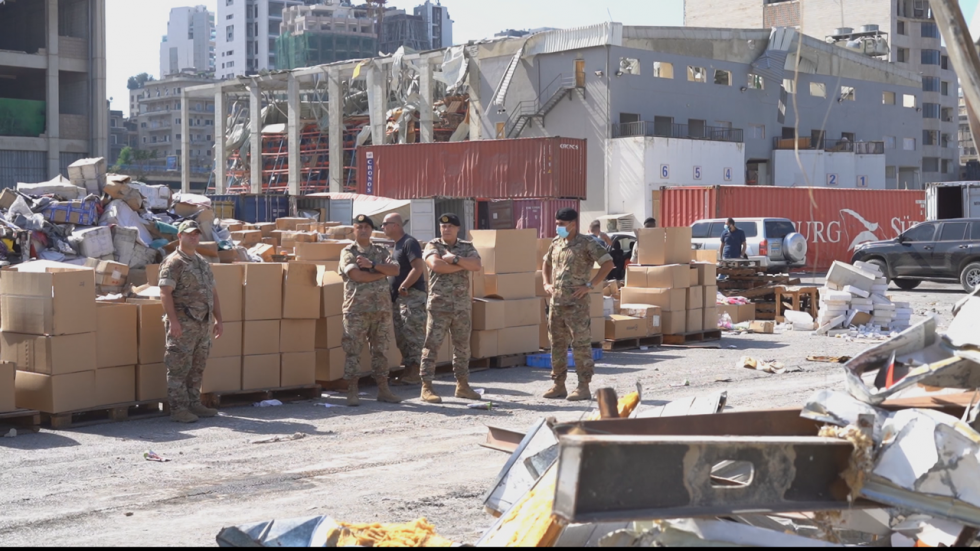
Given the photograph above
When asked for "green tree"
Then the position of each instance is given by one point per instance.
(138, 81)
(134, 162)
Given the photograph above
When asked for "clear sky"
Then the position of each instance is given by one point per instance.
(136, 27)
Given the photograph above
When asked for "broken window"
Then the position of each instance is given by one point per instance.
(789, 85)
(908, 100)
(629, 66)
(818, 89)
(847, 93)
(756, 82)
(723, 77)
(663, 69)
(696, 74)
(888, 98)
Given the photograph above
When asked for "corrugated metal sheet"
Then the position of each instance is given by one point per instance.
(834, 221)
(605, 34)
(29, 167)
(540, 214)
(256, 208)
(491, 169)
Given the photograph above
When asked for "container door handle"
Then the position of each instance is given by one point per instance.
(927, 248)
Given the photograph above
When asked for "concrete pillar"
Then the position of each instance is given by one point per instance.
(53, 108)
(185, 142)
(293, 126)
(426, 85)
(98, 96)
(335, 112)
(377, 103)
(220, 154)
(476, 107)
(255, 130)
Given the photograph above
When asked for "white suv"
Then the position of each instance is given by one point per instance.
(774, 241)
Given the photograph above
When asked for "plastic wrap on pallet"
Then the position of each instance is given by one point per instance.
(83, 213)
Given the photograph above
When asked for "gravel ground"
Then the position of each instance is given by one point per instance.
(379, 462)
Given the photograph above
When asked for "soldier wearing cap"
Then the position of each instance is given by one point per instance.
(568, 281)
(450, 308)
(193, 312)
(365, 268)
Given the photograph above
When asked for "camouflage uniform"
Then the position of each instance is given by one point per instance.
(186, 356)
(450, 309)
(367, 313)
(410, 321)
(568, 318)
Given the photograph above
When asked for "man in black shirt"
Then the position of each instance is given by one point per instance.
(408, 297)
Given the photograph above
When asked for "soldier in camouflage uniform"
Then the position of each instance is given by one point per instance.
(568, 281)
(408, 297)
(450, 262)
(365, 268)
(190, 302)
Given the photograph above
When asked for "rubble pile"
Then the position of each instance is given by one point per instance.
(853, 303)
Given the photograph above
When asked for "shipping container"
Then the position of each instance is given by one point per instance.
(521, 214)
(493, 169)
(254, 208)
(834, 221)
(947, 200)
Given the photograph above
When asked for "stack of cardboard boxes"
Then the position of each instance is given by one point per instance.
(665, 278)
(8, 400)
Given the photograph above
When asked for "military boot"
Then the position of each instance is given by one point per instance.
(411, 375)
(464, 391)
(384, 393)
(182, 416)
(429, 394)
(353, 399)
(581, 393)
(557, 390)
(201, 410)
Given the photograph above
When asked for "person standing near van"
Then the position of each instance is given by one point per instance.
(732, 242)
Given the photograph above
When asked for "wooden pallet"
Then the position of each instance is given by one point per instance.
(499, 362)
(801, 299)
(130, 411)
(688, 338)
(632, 344)
(22, 420)
(249, 397)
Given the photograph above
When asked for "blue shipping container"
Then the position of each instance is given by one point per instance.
(257, 208)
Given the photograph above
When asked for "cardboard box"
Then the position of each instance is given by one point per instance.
(595, 306)
(289, 224)
(297, 336)
(738, 313)
(510, 286)
(521, 313)
(107, 272)
(326, 250)
(539, 285)
(263, 292)
(651, 314)
(678, 245)
(695, 277)
(297, 368)
(695, 320)
(598, 326)
(153, 274)
(636, 277)
(331, 293)
(330, 364)
(517, 340)
(266, 228)
(230, 343)
(329, 332)
(116, 335)
(478, 283)
(483, 344)
(620, 327)
(247, 238)
(544, 337)
(695, 298)
(669, 300)
(652, 246)
(60, 301)
(707, 273)
(710, 296)
(489, 314)
(543, 246)
(260, 337)
(507, 251)
(223, 375)
(55, 393)
(707, 255)
(710, 319)
(8, 401)
(151, 382)
(674, 276)
(764, 327)
(300, 293)
(229, 282)
(49, 355)
(673, 323)
(261, 372)
(115, 385)
(150, 330)
(264, 250)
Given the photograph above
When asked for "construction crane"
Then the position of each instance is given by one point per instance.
(376, 9)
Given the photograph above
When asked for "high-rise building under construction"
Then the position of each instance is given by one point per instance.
(324, 33)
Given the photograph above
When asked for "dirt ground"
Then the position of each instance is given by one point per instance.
(379, 462)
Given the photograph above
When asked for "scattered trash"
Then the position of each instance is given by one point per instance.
(644, 348)
(723, 380)
(480, 391)
(776, 368)
(686, 382)
(150, 455)
(327, 405)
(829, 359)
(267, 404)
(274, 439)
(487, 406)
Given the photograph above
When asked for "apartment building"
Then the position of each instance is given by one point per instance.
(438, 25)
(188, 45)
(159, 122)
(53, 108)
(325, 33)
(247, 30)
(914, 44)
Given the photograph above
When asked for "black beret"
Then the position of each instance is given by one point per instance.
(567, 215)
(450, 219)
(362, 219)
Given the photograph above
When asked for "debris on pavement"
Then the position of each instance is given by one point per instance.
(854, 299)
(776, 368)
(274, 439)
(150, 455)
(267, 404)
(829, 359)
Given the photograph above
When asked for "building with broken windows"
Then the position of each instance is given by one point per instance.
(325, 33)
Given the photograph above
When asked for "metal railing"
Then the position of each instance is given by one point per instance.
(157, 168)
(684, 131)
(830, 145)
(551, 94)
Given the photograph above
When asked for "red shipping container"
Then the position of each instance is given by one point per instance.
(493, 169)
(834, 221)
(540, 214)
